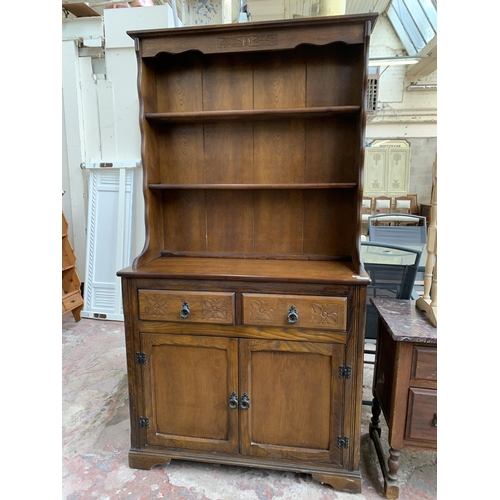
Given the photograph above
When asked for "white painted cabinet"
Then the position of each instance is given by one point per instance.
(387, 169)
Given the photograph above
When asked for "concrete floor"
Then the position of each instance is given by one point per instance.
(95, 441)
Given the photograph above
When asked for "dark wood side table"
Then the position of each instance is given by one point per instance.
(404, 384)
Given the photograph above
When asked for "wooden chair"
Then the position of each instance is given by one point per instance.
(366, 208)
(382, 205)
(406, 204)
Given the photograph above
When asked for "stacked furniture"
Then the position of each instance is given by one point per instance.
(72, 299)
(245, 312)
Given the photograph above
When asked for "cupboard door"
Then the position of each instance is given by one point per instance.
(188, 382)
(375, 172)
(295, 400)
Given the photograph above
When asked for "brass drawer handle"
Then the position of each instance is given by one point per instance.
(293, 315)
(185, 311)
(435, 420)
(233, 401)
(245, 402)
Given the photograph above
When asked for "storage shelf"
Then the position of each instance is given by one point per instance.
(251, 114)
(320, 185)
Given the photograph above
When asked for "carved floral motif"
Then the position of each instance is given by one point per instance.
(214, 309)
(324, 314)
(397, 158)
(261, 310)
(154, 306)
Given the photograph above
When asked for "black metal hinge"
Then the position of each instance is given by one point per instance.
(344, 372)
(140, 358)
(144, 422)
(343, 442)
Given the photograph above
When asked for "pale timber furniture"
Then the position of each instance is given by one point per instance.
(406, 204)
(404, 384)
(245, 312)
(71, 294)
(428, 302)
(383, 205)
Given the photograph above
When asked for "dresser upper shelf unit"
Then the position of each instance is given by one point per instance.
(253, 137)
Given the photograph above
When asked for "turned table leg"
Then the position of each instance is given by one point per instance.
(375, 420)
(389, 469)
(391, 488)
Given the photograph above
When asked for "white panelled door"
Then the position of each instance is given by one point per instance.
(109, 236)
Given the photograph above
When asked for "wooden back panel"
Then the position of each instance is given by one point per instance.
(289, 221)
(299, 223)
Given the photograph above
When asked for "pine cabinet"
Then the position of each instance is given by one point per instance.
(245, 312)
(71, 294)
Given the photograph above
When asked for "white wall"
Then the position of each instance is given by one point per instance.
(401, 113)
(100, 107)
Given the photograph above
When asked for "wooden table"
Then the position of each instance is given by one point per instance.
(404, 384)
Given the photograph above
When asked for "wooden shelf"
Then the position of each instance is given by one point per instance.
(332, 185)
(251, 114)
(248, 269)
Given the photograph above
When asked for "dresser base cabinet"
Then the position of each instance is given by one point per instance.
(245, 311)
(285, 396)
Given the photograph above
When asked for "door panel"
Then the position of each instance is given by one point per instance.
(295, 397)
(187, 384)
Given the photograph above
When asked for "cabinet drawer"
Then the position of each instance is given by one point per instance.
(299, 311)
(421, 422)
(72, 301)
(424, 363)
(189, 307)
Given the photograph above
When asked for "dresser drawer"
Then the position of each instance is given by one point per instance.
(424, 363)
(300, 311)
(70, 302)
(189, 307)
(421, 422)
